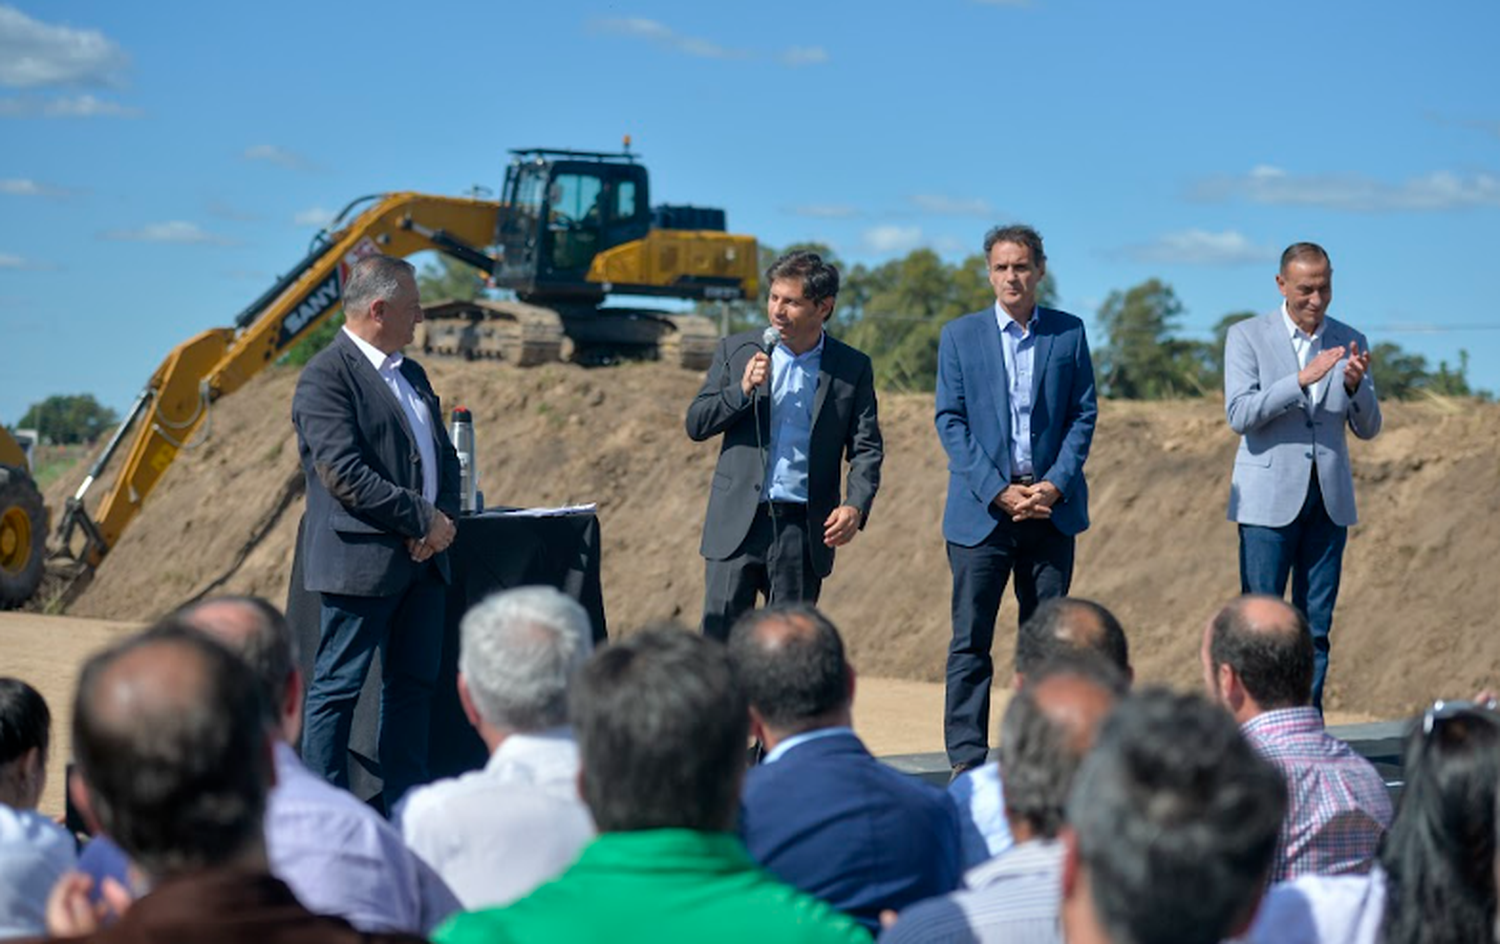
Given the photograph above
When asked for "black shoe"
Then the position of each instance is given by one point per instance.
(960, 769)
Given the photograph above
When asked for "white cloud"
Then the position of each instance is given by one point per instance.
(74, 106)
(34, 54)
(1199, 247)
(795, 56)
(313, 216)
(13, 262)
(890, 239)
(952, 206)
(663, 35)
(280, 156)
(1440, 190)
(172, 231)
(660, 34)
(224, 210)
(26, 187)
(826, 211)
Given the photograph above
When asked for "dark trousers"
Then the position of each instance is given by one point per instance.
(407, 629)
(1311, 551)
(774, 561)
(1041, 558)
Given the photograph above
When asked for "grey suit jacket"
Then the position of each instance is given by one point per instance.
(1282, 428)
(364, 474)
(845, 425)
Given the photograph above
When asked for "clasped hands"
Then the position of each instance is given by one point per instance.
(439, 535)
(1354, 370)
(1028, 502)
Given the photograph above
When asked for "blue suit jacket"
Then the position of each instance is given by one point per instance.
(364, 474)
(973, 420)
(831, 820)
(1281, 429)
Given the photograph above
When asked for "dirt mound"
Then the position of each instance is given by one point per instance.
(1415, 614)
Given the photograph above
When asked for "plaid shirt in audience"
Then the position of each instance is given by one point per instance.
(1338, 807)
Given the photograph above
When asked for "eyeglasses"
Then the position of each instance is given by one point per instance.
(1443, 711)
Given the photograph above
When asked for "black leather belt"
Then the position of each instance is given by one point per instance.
(785, 509)
(1023, 480)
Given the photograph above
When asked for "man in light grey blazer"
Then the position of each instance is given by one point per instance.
(1293, 380)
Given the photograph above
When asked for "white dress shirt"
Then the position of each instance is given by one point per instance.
(34, 854)
(496, 834)
(388, 366)
(1307, 346)
(1015, 898)
(1322, 909)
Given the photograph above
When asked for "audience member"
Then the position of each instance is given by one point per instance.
(819, 812)
(1048, 728)
(175, 762)
(1060, 625)
(1258, 662)
(662, 728)
(495, 834)
(1434, 881)
(34, 851)
(1172, 820)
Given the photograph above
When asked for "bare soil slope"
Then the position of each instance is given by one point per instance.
(1416, 615)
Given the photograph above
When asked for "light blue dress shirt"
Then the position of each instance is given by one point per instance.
(794, 387)
(1019, 347)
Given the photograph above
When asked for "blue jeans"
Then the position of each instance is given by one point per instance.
(1311, 551)
(407, 628)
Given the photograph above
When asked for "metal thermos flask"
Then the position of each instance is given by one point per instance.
(463, 443)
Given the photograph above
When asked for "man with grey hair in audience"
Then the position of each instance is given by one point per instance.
(495, 834)
(1060, 626)
(1049, 726)
(1172, 826)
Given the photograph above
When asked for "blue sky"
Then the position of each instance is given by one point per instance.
(160, 163)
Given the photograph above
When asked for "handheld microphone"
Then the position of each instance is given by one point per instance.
(769, 338)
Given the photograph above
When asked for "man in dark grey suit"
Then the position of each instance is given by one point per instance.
(789, 418)
(382, 492)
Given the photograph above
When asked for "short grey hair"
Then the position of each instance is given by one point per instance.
(371, 279)
(519, 650)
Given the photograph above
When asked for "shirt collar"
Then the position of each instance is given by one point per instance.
(815, 351)
(1004, 320)
(1025, 858)
(378, 359)
(1284, 720)
(803, 738)
(1294, 330)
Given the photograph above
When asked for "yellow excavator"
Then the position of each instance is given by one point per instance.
(23, 525)
(571, 229)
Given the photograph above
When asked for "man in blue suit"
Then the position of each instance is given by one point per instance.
(1293, 381)
(382, 493)
(1015, 413)
(819, 812)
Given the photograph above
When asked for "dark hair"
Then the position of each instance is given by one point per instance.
(1039, 755)
(1070, 624)
(170, 738)
(1274, 661)
(1304, 252)
(1176, 819)
(25, 721)
(819, 279)
(662, 731)
(792, 678)
(1439, 855)
(1018, 233)
(267, 650)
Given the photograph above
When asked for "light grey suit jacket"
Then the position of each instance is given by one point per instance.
(1282, 428)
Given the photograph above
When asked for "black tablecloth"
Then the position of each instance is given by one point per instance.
(490, 553)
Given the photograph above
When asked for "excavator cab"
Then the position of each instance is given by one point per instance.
(560, 209)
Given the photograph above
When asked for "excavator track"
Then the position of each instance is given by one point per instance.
(526, 334)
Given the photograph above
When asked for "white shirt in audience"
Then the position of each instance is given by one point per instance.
(495, 834)
(34, 853)
(1319, 909)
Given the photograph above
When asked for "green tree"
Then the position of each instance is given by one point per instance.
(1221, 337)
(445, 279)
(314, 341)
(1141, 360)
(69, 419)
(1402, 375)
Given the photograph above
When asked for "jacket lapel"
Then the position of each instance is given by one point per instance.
(375, 388)
(827, 364)
(994, 367)
(1039, 355)
(1279, 342)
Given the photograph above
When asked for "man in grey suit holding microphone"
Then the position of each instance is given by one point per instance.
(792, 404)
(1293, 380)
